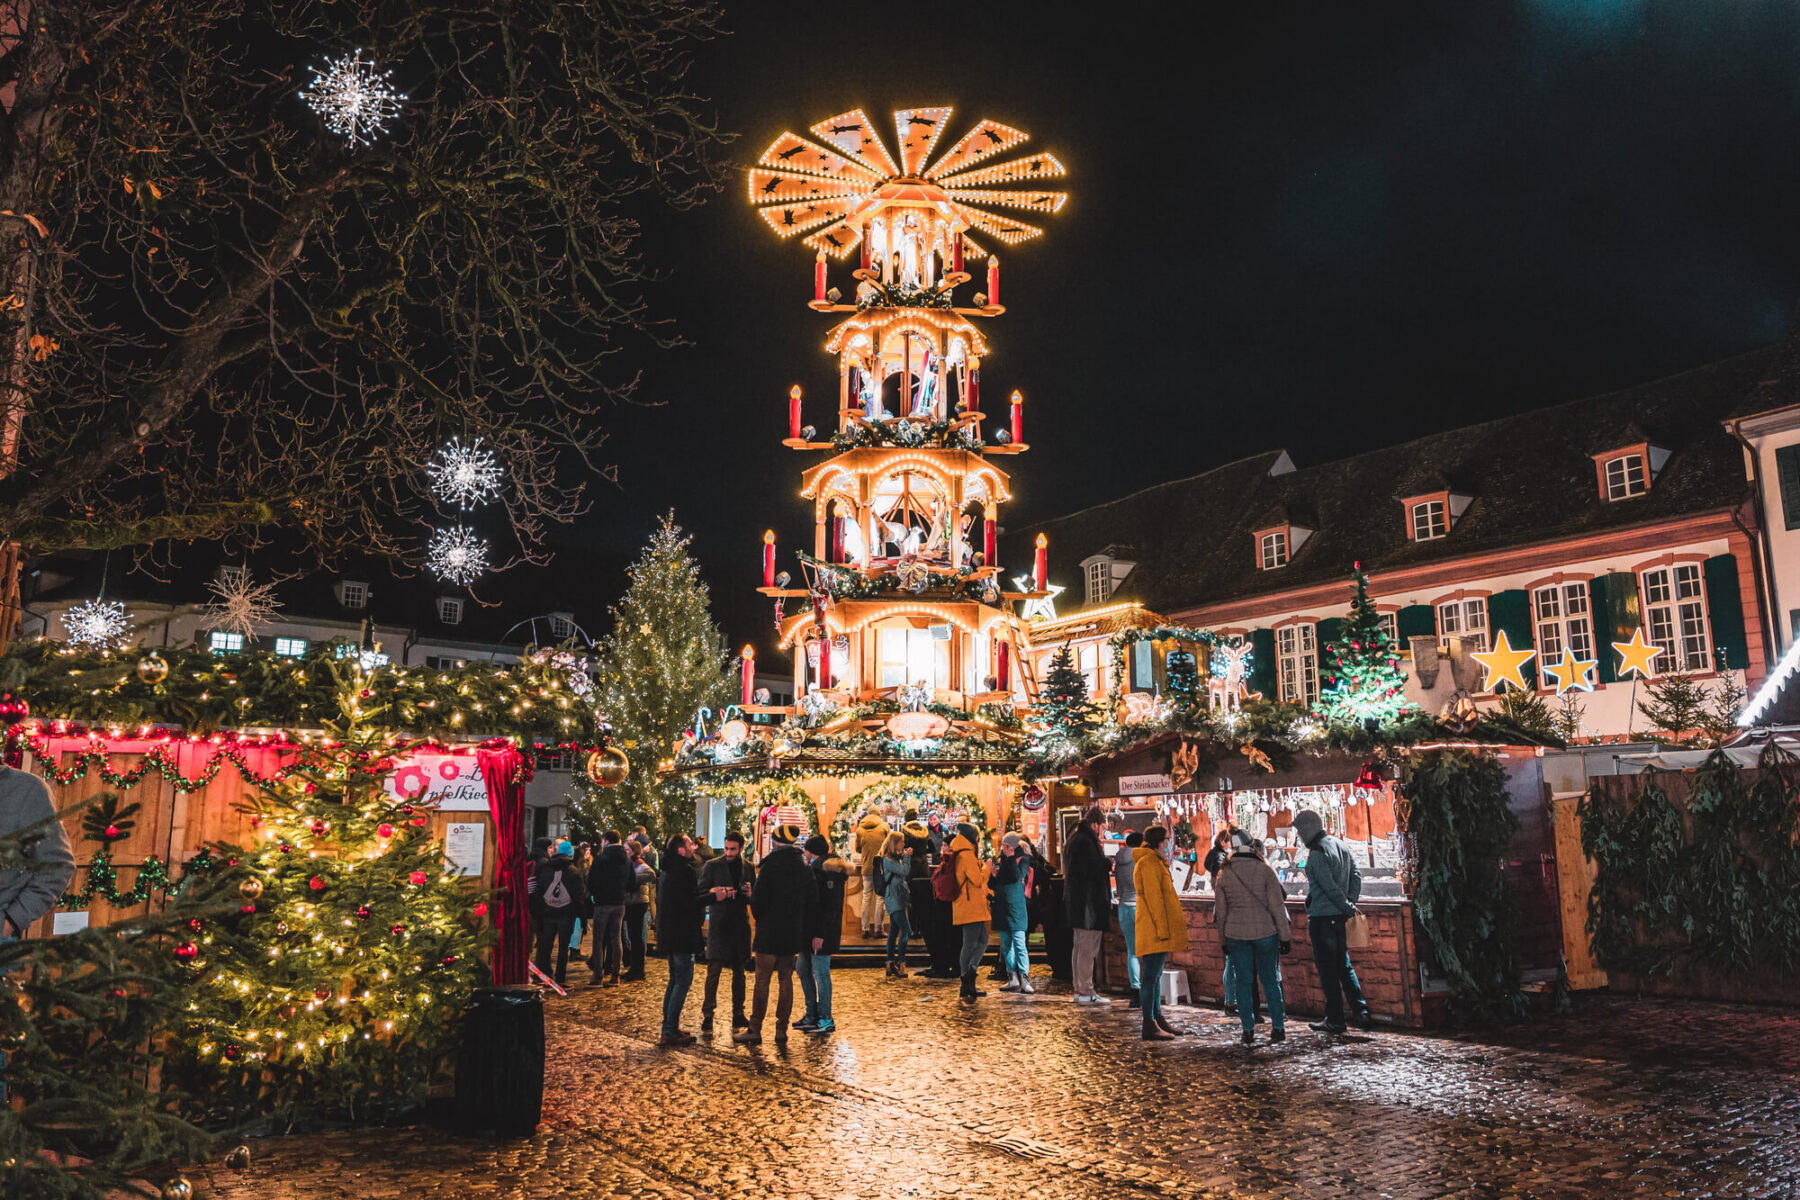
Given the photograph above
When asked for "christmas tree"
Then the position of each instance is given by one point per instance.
(335, 986)
(1184, 682)
(1362, 667)
(1676, 706)
(664, 660)
(1063, 705)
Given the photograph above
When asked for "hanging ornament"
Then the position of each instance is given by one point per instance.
(13, 708)
(466, 476)
(353, 98)
(177, 1189)
(457, 555)
(238, 1157)
(153, 668)
(608, 767)
(250, 889)
(97, 623)
(239, 606)
(1370, 775)
(187, 951)
(418, 878)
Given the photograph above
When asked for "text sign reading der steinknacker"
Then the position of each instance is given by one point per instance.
(1144, 785)
(446, 782)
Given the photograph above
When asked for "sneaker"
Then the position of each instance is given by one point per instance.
(823, 1028)
(1325, 1027)
(747, 1037)
(1278, 1035)
(706, 1024)
(1025, 987)
(1249, 1039)
(1011, 984)
(806, 1024)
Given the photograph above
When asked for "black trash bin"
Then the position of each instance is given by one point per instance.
(500, 1075)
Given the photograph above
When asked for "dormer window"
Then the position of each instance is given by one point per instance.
(1429, 520)
(450, 610)
(1099, 581)
(352, 593)
(1626, 477)
(1272, 549)
(1432, 507)
(1627, 464)
(1102, 574)
(562, 626)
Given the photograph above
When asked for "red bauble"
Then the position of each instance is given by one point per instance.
(480, 908)
(194, 924)
(13, 708)
(363, 913)
(396, 930)
(418, 878)
(286, 849)
(247, 908)
(187, 951)
(316, 883)
(384, 831)
(419, 820)
(111, 833)
(234, 1052)
(322, 994)
(406, 808)
(319, 828)
(449, 959)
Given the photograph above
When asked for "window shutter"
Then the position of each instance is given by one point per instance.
(1511, 611)
(1616, 617)
(1142, 675)
(1262, 662)
(1330, 631)
(1415, 620)
(1725, 608)
(1787, 477)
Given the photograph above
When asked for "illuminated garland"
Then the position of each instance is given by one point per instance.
(1121, 642)
(929, 795)
(152, 877)
(155, 759)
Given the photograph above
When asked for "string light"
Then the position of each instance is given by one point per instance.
(354, 99)
(457, 555)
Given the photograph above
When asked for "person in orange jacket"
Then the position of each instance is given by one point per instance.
(969, 911)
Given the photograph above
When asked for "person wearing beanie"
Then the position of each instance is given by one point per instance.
(557, 894)
(830, 876)
(1124, 868)
(1251, 910)
(969, 910)
(1087, 899)
(610, 882)
(1333, 886)
(1012, 884)
(871, 836)
(726, 883)
(784, 902)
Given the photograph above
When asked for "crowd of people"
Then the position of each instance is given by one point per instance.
(767, 922)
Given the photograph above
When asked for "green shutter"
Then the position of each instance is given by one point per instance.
(1511, 611)
(1616, 616)
(1725, 607)
(1262, 662)
(1415, 620)
(1787, 475)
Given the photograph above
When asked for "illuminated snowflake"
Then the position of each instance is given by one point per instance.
(98, 623)
(465, 475)
(241, 606)
(457, 554)
(353, 98)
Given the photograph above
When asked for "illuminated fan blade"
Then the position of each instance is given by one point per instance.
(836, 240)
(791, 152)
(919, 130)
(972, 248)
(855, 135)
(984, 141)
(788, 187)
(790, 219)
(1041, 202)
(1036, 166)
(1009, 231)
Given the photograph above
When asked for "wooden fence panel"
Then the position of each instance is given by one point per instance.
(1574, 884)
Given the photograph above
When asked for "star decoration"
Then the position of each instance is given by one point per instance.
(240, 606)
(1637, 655)
(1044, 606)
(1571, 672)
(1504, 664)
(354, 98)
(99, 623)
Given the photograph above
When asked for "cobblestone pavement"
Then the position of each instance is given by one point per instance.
(916, 1096)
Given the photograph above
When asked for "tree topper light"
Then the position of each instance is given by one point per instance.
(457, 555)
(354, 99)
(98, 623)
(466, 476)
(240, 606)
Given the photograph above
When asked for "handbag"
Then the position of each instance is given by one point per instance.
(1356, 932)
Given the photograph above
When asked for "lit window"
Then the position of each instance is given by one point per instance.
(562, 626)
(906, 655)
(1088, 659)
(1273, 549)
(1625, 477)
(291, 647)
(1675, 617)
(1099, 581)
(227, 643)
(1428, 520)
(1390, 626)
(1563, 621)
(450, 610)
(1297, 663)
(353, 594)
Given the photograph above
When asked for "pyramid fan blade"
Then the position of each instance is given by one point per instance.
(1009, 231)
(971, 247)
(918, 130)
(789, 219)
(787, 187)
(855, 135)
(984, 141)
(791, 152)
(836, 240)
(1036, 166)
(1041, 202)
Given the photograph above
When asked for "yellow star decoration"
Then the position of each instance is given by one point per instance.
(1637, 655)
(1503, 663)
(1571, 672)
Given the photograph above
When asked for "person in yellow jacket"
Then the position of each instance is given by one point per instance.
(1161, 927)
(969, 910)
(871, 836)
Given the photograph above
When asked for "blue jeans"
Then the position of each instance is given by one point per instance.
(1128, 927)
(1259, 959)
(1337, 977)
(1150, 996)
(900, 933)
(815, 984)
(681, 978)
(1013, 958)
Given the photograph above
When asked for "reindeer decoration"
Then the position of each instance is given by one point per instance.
(1230, 664)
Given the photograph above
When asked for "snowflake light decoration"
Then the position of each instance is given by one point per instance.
(457, 554)
(240, 605)
(353, 98)
(98, 623)
(465, 476)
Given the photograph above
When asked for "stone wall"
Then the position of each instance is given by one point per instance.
(1388, 968)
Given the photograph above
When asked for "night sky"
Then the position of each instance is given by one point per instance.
(1326, 227)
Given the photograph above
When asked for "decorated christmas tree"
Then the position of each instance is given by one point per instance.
(1063, 705)
(1365, 681)
(663, 662)
(1185, 696)
(334, 987)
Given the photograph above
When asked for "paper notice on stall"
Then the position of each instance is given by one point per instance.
(68, 922)
(464, 845)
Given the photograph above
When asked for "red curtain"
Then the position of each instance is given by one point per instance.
(505, 771)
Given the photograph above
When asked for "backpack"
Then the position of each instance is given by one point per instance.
(943, 879)
(556, 895)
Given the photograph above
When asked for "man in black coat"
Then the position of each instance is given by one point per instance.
(678, 915)
(610, 881)
(558, 895)
(1087, 900)
(923, 910)
(784, 901)
(725, 885)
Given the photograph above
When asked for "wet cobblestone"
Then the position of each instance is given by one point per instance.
(915, 1094)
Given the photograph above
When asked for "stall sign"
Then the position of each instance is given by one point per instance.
(447, 782)
(1144, 785)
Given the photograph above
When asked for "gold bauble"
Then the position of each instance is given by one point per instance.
(608, 767)
(153, 668)
(238, 1157)
(178, 1189)
(250, 889)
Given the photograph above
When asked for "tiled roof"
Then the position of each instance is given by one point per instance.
(1531, 477)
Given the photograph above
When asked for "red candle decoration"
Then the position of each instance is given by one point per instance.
(749, 672)
(1002, 667)
(974, 386)
(867, 250)
(1018, 419)
(819, 277)
(956, 253)
(769, 559)
(794, 412)
(1041, 569)
(993, 279)
(989, 532)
